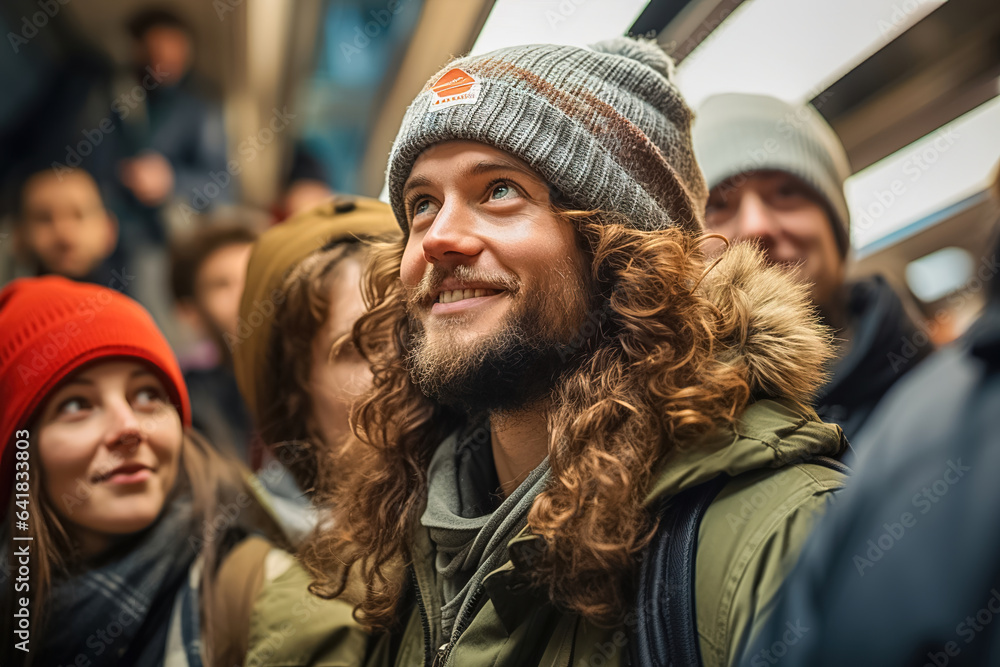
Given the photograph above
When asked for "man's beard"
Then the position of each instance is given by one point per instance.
(516, 365)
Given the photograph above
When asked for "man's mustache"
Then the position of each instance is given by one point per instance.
(423, 294)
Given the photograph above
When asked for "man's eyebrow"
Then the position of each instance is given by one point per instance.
(478, 169)
(416, 182)
(486, 166)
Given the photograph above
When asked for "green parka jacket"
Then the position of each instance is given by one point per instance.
(751, 534)
(266, 617)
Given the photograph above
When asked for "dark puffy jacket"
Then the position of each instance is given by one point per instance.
(905, 570)
(885, 345)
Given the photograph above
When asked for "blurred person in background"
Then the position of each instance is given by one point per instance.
(555, 368)
(306, 185)
(147, 547)
(177, 137)
(62, 228)
(207, 272)
(297, 374)
(171, 140)
(905, 569)
(776, 176)
(303, 194)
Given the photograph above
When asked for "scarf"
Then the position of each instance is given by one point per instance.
(119, 612)
(470, 542)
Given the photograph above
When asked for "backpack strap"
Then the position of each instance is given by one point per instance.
(665, 631)
(238, 582)
(830, 462)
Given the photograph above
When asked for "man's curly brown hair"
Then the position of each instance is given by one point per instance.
(648, 380)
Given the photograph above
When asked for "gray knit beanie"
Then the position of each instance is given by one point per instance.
(737, 133)
(606, 127)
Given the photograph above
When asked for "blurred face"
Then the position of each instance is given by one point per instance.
(336, 380)
(168, 53)
(303, 195)
(65, 226)
(219, 286)
(494, 278)
(109, 444)
(787, 219)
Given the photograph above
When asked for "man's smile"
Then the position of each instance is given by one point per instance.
(460, 294)
(460, 301)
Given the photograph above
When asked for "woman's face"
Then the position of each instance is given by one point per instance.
(109, 441)
(335, 382)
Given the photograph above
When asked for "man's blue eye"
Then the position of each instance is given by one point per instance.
(501, 191)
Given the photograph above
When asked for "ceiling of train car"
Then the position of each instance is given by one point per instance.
(942, 67)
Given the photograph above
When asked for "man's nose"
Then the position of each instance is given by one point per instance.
(453, 237)
(755, 221)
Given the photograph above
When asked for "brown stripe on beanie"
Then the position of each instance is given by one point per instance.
(652, 171)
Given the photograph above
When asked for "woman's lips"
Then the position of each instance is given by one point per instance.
(131, 473)
(130, 477)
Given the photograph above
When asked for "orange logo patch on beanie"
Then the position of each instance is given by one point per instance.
(456, 86)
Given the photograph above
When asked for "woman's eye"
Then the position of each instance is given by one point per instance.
(72, 406)
(148, 397)
(421, 207)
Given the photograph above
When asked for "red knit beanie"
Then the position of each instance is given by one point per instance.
(49, 327)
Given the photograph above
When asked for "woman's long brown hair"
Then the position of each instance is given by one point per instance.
(285, 404)
(648, 380)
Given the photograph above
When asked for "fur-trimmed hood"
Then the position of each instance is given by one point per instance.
(772, 332)
(773, 335)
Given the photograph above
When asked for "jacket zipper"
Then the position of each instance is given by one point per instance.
(460, 624)
(424, 619)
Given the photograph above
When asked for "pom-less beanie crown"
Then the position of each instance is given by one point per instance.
(738, 133)
(49, 327)
(606, 127)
